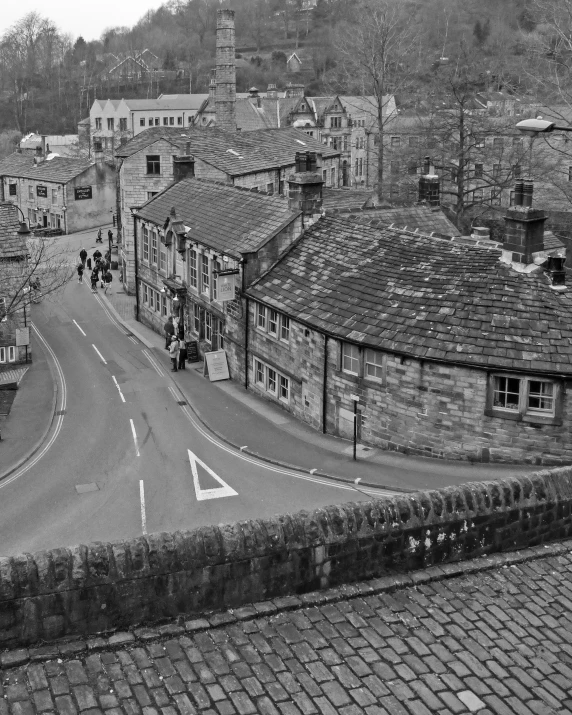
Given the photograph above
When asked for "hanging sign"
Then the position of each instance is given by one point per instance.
(82, 192)
(225, 285)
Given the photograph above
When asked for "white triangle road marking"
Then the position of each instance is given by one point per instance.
(223, 491)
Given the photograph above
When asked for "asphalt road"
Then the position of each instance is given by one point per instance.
(125, 457)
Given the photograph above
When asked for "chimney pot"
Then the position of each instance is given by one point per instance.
(427, 165)
(518, 191)
(527, 193)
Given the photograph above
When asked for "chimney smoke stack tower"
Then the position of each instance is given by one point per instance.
(225, 99)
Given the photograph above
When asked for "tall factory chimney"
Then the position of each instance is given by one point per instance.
(225, 97)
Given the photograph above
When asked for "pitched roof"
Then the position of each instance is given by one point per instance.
(344, 199)
(166, 102)
(431, 299)
(413, 218)
(12, 244)
(224, 217)
(59, 169)
(235, 153)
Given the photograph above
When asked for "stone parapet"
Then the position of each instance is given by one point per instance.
(89, 589)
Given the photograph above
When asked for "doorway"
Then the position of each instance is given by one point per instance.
(345, 174)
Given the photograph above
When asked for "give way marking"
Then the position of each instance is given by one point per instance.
(223, 491)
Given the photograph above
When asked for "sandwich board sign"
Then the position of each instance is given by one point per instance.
(216, 366)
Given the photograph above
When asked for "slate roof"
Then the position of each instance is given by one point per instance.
(59, 169)
(345, 199)
(431, 299)
(12, 244)
(165, 102)
(413, 218)
(254, 151)
(224, 217)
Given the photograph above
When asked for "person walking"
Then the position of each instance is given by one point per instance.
(96, 255)
(99, 238)
(182, 354)
(80, 273)
(83, 256)
(174, 353)
(110, 236)
(93, 279)
(169, 329)
(107, 281)
(103, 267)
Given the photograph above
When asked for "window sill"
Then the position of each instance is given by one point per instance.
(529, 418)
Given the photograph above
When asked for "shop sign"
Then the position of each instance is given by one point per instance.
(225, 284)
(82, 192)
(42, 191)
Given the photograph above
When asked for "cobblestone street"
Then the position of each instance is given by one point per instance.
(490, 636)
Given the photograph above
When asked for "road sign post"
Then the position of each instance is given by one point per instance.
(355, 399)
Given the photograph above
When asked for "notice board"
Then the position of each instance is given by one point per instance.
(192, 351)
(216, 366)
(82, 192)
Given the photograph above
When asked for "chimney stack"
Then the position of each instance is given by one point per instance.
(183, 166)
(524, 226)
(225, 100)
(429, 188)
(305, 185)
(212, 87)
(43, 146)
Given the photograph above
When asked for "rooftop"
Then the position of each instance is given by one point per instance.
(412, 218)
(59, 169)
(224, 217)
(432, 298)
(12, 244)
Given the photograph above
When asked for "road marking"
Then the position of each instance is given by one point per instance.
(154, 363)
(100, 355)
(135, 438)
(132, 339)
(60, 414)
(142, 500)
(117, 386)
(223, 491)
(80, 330)
(109, 314)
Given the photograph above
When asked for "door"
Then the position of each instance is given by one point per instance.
(345, 177)
(45, 220)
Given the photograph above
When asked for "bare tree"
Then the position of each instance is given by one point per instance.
(378, 54)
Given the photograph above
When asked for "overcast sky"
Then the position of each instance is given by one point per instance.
(88, 19)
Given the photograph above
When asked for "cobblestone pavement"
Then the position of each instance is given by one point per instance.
(496, 641)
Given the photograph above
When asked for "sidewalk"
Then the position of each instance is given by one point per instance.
(490, 636)
(32, 413)
(245, 420)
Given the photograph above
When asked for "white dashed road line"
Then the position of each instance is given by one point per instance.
(118, 388)
(135, 438)
(154, 363)
(80, 330)
(103, 360)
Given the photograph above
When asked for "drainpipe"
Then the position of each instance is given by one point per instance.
(136, 265)
(324, 385)
(247, 308)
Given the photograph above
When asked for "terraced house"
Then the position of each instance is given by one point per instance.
(452, 347)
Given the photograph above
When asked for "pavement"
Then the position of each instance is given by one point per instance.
(249, 422)
(491, 636)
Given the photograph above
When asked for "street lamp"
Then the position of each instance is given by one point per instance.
(538, 126)
(23, 230)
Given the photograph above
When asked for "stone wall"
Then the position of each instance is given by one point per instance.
(88, 589)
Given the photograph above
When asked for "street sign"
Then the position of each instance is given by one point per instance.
(216, 366)
(213, 493)
(22, 337)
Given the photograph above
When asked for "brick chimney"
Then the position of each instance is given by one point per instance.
(212, 88)
(524, 226)
(305, 185)
(225, 101)
(184, 166)
(428, 185)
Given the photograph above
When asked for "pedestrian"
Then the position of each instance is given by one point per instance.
(110, 236)
(80, 273)
(103, 267)
(93, 279)
(108, 256)
(169, 329)
(96, 255)
(83, 256)
(174, 353)
(107, 281)
(99, 238)
(89, 264)
(182, 354)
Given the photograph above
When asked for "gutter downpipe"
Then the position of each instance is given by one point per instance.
(247, 308)
(136, 267)
(324, 385)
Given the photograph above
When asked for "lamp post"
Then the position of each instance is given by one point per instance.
(534, 127)
(23, 230)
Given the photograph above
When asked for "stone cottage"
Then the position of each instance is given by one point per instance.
(452, 347)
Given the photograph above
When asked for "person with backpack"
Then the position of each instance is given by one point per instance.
(93, 279)
(80, 272)
(107, 278)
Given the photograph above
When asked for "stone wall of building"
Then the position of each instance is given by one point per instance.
(103, 586)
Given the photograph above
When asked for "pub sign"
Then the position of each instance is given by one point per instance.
(82, 192)
(42, 191)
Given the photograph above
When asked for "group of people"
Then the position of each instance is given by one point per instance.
(175, 344)
(100, 270)
(99, 238)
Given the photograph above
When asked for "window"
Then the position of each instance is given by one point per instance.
(193, 271)
(479, 143)
(570, 173)
(478, 171)
(30, 192)
(273, 322)
(142, 122)
(205, 278)
(196, 318)
(2, 355)
(333, 174)
(151, 299)
(163, 305)
(110, 123)
(361, 166)
(335, 122)
(325, 176)
(162, 258)
(208, 327)
(271, 381)
(145, 293)
(374, 365)
(498, 143)
(394, 167)
(180, 121)
(54, 196)
(345, 143)
(221, 334)
(3, 316)
(153, 164)
(157, 121)
(496, 170)
(524, 397)
(98, 122)
(150, 121)
(259, 373)
(261, 316)
(216, 269)
(123, 125)
(284, 391)
(350, 358)
(171, 121)
(154, 246)
(270, 188)
(150, 194)
(145, 243)
(395, 142)
(413, 141)
(165, 121)
(11, 353)
(12, 189)
(284, 328)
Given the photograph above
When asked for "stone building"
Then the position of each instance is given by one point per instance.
(255, 160)
(454, 348)
(13, 269)
(60, 193)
